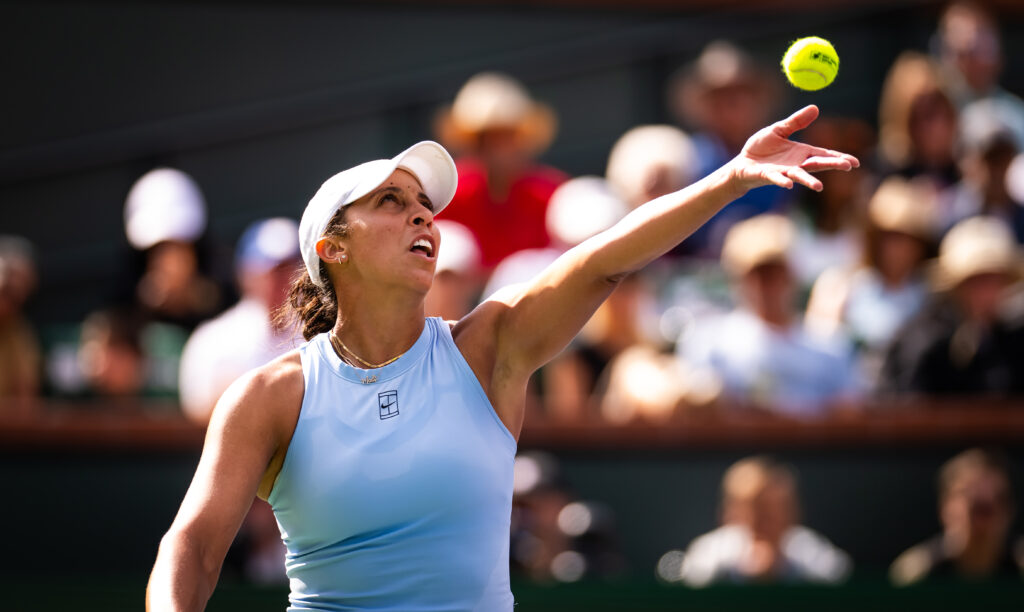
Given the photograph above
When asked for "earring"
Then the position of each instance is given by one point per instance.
(342, 258)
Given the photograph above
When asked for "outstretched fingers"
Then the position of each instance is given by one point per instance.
(827, 159)
(804, 177)
(775, 177)
(819, 164)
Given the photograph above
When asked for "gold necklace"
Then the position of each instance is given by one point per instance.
(336, 341)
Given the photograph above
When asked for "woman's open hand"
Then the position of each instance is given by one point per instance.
(771, 158)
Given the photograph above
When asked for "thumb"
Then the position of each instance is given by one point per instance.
(797, 121)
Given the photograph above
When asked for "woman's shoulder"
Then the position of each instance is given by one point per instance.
(269, 391)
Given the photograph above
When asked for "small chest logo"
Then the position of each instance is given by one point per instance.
(388, 403)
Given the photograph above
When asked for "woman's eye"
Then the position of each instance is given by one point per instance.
(389, 197)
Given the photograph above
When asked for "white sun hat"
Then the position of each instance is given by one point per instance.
(582, 207)
(459, 251)
(164, 204)
(428, 161)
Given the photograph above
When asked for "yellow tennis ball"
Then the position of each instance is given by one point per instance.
(811, 63)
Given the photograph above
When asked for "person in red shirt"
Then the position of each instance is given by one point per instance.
(498, 131)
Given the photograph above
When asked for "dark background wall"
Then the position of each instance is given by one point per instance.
(102, 513)
(260, 101)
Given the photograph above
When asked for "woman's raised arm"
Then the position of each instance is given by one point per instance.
(539, 319)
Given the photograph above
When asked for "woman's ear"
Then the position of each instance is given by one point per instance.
(330, 251)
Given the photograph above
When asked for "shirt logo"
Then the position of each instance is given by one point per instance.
(388, 403)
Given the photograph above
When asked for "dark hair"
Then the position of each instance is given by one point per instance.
(313, 306)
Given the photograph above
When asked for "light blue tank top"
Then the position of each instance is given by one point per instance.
(396, 490)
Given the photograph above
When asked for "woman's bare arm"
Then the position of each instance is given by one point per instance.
(246, 430)
(533, 323)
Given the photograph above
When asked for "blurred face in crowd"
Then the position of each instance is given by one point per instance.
(270, 286)
(933, 129)
(977, 506)
(972, 45)
(451, 295)
(112, 366)
(988, 171)
(899, 255)
(768, 290)
(981, 296)
(502, 150)
(17, 281)
(172, 264)
(734, 113)
(767, 509)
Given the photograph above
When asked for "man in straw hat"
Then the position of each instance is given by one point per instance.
(872, 302)
(760, 350)
(498, 130)
(971, 339)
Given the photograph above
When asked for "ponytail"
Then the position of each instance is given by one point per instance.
(309, 305)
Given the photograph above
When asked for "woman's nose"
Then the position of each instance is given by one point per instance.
(423, 216)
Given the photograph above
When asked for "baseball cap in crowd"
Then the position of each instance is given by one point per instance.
(164, 204)
(428, 161)
(267, 243)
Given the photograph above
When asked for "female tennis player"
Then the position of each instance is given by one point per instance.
(385, 444)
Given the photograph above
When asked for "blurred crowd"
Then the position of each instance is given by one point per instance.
(898, 280)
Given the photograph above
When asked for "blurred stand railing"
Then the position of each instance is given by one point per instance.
(135, 424)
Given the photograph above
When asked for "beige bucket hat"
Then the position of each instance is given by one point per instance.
(492, 100)
(977, 245)
(756, 241)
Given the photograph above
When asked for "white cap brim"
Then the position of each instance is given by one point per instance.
(428, 161)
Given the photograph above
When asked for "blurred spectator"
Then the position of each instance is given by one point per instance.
(760, 539)
(830, 222)
(20, 360)
(871, 303)
(111, 355)
(725, 96)
(579, 209)
(969, 49)
(650, 161)
(553, 535)
(976, 508)
(988, 147)
(245, 336)
(970, 340)
(497, 131)
(917, 122)
(623, 342)
(760, 351)
(165, 214)
(456, 285)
